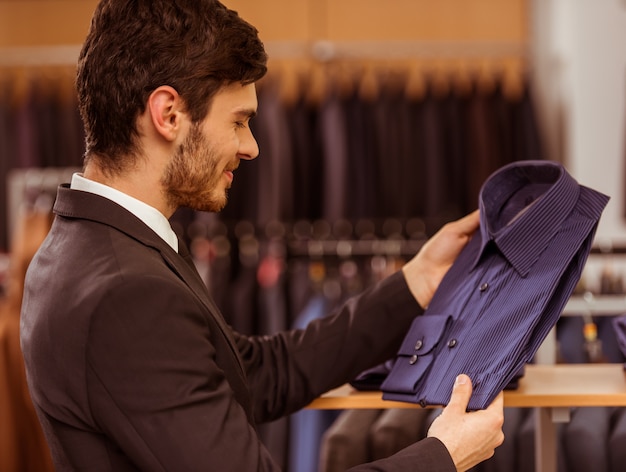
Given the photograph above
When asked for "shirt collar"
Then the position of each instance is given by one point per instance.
(522, 206)
(152, 217)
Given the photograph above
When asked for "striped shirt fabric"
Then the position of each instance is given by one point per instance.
(505, 291)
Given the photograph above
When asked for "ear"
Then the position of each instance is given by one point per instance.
(166, 111)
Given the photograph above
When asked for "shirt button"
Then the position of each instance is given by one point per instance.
(413, 359)
(452, 343)
(419, 344)
(483, 287)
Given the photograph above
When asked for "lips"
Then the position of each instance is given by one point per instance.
(229, 171)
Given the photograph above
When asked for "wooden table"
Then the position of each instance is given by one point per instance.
(550, 389)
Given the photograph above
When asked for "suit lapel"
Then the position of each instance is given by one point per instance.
(183, 265)
(97, 208)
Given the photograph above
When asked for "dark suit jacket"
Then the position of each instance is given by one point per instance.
(132, 367)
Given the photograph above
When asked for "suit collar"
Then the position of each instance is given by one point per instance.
(152, 217)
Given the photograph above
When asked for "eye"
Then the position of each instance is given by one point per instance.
(240, 124)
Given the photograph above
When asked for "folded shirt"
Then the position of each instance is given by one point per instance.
(505, 291)
(370, 380)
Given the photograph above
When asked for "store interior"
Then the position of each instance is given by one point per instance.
(378, 122)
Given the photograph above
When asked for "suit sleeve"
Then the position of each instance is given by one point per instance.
(156, 387)
(288, 370)
(427, 455)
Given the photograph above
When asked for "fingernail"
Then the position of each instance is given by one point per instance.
(460, 380)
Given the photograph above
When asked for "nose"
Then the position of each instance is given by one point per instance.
(248, 147)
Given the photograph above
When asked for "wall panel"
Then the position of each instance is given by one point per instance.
(53, 22)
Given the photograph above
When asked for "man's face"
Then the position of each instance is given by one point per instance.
(201, 170)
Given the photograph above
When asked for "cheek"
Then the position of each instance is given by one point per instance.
(229, 145)
(225, 151)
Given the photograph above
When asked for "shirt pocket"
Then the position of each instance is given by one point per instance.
(416, 353)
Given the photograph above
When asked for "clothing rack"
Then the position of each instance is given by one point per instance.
(610, 250)
(596, 305)
(34, 188)
(322, 239)
(327, 50)
(65, 54)
(316, 249)
(321, 50)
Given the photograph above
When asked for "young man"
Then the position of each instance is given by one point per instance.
(130, 364)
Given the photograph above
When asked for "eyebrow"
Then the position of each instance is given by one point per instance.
(246, 113)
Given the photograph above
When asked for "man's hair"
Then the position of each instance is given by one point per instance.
(135, 46)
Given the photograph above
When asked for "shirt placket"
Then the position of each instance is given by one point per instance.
(469, 304)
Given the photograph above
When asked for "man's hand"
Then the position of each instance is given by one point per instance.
(469, 437)
(424, 272)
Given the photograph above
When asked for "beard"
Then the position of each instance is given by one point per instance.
(193, 177)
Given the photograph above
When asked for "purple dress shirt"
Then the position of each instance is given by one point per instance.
(505, 291)
(619, 325)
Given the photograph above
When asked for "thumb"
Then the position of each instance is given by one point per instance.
(461, 393)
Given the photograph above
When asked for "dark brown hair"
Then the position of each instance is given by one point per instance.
(135, 46)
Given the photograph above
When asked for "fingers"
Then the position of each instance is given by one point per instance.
(496, 410)
(469, 437)
(498, 403)
(469, 223)
(461, 393)
(424, 272)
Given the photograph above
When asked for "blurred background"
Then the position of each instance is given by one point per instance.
(573, 54)
(378, 122)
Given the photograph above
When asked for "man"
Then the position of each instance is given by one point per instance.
(129, 362)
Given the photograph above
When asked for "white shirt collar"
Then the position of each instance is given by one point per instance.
(152, 217)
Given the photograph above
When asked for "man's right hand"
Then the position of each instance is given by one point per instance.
(470, 437)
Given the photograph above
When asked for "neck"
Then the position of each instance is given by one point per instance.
(142, 183)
